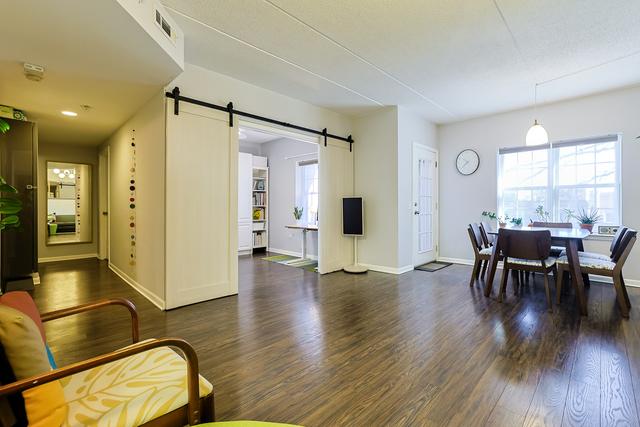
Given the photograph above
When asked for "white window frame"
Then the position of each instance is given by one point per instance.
(298, 175)
(553, 173)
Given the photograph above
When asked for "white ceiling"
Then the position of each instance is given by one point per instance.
(448, 60)
(256, 137)
(94, 53)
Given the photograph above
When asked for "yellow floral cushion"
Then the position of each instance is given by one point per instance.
(129, 392)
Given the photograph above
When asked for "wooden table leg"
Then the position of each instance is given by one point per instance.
(576, 275)
(493, 265)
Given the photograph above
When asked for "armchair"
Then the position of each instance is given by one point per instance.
(141, 384)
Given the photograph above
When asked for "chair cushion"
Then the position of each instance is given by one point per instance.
(532, 262)
(486, 251)
(593, 255)
(130, 391)
(22, 301)
(25, 351)
(557, 251)
(590, 262)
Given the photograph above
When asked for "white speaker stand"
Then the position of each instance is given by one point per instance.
(355, 268)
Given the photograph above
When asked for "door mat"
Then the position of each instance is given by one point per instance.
(432, 266)
(306, 264)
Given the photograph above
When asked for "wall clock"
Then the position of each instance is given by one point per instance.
(467, 162)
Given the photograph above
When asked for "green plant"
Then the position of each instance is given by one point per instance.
(588, 217)
(297, 213)
(516, 221)
(543, 215)
(490, 215)
(10, 206)
(568, 215)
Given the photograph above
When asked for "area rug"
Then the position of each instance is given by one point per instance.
(291, 261)
(432, 266)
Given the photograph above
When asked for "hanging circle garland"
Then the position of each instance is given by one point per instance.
(132, 198)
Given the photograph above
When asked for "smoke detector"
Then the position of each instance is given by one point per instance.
(33, 72)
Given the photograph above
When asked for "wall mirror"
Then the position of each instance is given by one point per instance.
(68, 203)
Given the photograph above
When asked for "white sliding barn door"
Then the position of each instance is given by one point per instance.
(201, 205)
(336, 181)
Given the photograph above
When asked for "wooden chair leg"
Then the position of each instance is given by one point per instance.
(480, 264)
(207, 409)
(617, 283)
(483, 274)
(476, 267)
(515, 281)
(545, 279)
(503, 283)
(559, 283)
(624, 290)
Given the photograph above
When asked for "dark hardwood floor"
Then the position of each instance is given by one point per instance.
(376, 349)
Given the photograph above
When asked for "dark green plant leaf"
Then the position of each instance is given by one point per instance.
(4, 126)
(6, 188)
(9, 220)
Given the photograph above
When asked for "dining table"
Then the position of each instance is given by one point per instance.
(569, 238)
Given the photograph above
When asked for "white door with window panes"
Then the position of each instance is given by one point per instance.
(425, 204)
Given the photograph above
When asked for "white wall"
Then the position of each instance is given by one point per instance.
(67, 154)
(383, 171)
(282, 191)
(412, 128)
(250, 147)
(462, 199)
(376, 180)
(147, 274)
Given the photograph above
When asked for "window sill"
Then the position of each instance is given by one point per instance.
(600, 237)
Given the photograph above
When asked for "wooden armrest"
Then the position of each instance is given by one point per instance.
(135, 333)
(193, 380)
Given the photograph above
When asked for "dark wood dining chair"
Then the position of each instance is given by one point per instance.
(615, 244)
(555, 250)
(602, 267)
(488, 239)
(481, 254)
(527, 251)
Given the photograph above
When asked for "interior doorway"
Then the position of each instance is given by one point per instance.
(425, 204)
(103, 204)
(278, 195)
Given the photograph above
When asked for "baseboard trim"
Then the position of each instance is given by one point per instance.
(291, 253)
(153, 298)
(66, 258)
(629, 282)
(388, 270)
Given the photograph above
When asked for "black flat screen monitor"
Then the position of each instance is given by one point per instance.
(352, 216)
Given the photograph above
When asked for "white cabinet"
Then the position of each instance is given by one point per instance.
(245, 224)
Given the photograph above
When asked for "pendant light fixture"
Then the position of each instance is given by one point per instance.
(537, 134)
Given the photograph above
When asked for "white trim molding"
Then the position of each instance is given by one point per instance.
(291, 253)
(66, 258)
(153, 298)
(388, 270)
(629, 282)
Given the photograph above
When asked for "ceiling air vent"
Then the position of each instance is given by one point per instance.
(165, 26)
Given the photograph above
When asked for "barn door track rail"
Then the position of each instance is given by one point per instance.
(175, 95)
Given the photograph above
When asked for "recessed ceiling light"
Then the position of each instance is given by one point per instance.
(69, 113)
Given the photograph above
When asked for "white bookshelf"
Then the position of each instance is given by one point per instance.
(260, 204)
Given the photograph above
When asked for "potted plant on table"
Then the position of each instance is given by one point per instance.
(297, 214)
(516, 222)
(588, 218)
(502, 219)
